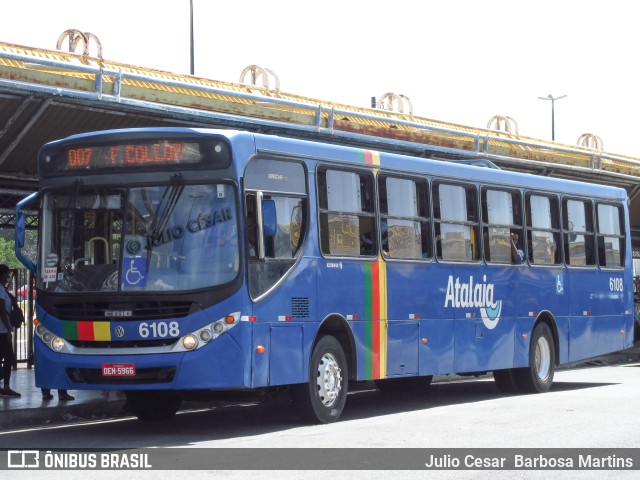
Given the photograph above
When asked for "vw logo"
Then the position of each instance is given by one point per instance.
(119, 332)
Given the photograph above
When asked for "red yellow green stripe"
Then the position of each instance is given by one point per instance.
(369, 157)
(375, 275)
(86, 331)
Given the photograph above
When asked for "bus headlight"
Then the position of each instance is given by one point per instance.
(204, 335)
(218, 327)
(51, 340)
(57, 344)
(189, 342)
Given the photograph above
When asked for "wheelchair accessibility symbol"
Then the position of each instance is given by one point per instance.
(559, 284)
(135, 274)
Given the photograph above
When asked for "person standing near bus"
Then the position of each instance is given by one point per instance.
(63, 395)
(6, 344)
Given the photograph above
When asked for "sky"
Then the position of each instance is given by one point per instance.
(460, 61)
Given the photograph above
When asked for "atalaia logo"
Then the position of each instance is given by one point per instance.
(474, 295)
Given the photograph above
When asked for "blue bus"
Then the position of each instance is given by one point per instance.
(175, 261)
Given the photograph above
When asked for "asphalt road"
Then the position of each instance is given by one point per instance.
(587, 408)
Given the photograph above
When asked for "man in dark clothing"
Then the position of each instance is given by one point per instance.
(6, 340)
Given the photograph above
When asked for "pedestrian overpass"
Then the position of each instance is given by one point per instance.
(50, 94)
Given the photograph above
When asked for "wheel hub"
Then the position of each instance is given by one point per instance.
(329, 380)
(543, 359)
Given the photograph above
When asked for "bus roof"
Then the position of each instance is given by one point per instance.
(343, 154)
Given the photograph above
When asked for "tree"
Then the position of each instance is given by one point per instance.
(7, 248)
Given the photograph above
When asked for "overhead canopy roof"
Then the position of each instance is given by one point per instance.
(47, 95)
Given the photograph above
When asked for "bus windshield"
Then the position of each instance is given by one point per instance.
(145, 239)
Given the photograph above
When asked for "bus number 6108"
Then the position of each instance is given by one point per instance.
(159, 329)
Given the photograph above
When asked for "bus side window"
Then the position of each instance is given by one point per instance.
(404, 218)
(611, 239)
(578, 226)
(502, 226)
(543, 230)
(456, 222)
(347, 213)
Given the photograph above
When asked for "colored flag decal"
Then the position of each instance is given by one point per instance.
(376, 313)
(87, 331)
(369, 157)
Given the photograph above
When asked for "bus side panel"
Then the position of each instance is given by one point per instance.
(198, 371)
(523, 328)
(292, 302)
(285, 359)
(402, 348)
(346, 289)
(597, 313)
(484, 336)
(541, 290)
(260, 361)
(436, 353)
(415, 295)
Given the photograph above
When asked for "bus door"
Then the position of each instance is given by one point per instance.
(598, 296)
(281, 279)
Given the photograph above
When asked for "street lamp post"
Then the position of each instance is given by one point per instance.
(191, 31)
(553, 112)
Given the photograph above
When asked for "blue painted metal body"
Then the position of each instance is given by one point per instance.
(588, 318)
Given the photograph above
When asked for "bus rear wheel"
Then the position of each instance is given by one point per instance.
(538, 376)
(322, 399)
(153, 405)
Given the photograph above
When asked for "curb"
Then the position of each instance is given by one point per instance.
(54, 415)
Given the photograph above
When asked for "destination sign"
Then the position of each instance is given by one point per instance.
(123, 152)
(132, 154)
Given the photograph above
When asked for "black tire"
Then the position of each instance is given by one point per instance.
(538, 376)
(322, 399)
(153, 405)
(505, 380)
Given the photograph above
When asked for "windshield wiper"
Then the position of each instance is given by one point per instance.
(163, 212)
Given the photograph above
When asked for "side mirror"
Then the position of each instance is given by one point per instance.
(21, 229)
(269, 218)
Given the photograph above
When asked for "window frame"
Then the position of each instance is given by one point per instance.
(566, 231)
(368, 216)
(252, 260)
(471, 193)
(555, 230)
(623, 234)
(423, 203)
(485, 224)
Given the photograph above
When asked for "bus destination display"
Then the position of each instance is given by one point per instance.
(127, 155)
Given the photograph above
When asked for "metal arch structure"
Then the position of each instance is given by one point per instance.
(395, 102)
(502, 123)
(256, 72)
(48, 94)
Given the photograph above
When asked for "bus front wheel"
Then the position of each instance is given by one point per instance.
(538, 376)
(153, 406)
(322, 399)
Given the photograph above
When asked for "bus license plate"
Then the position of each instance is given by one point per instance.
(118, 370)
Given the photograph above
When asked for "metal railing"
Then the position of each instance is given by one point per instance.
(68, 75)
(21, 286)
